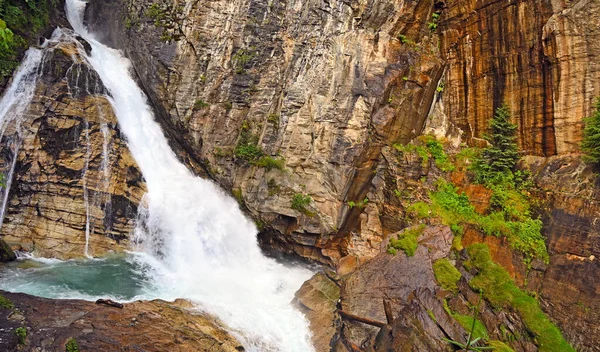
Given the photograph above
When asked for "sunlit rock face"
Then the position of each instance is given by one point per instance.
(539, 57)
(320, 85)
(74, 188)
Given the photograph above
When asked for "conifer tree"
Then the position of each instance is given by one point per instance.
(502, 155)
(590, 145)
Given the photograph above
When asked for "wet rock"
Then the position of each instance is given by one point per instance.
(318, 299)
(6, 253)
(159, 326)
(321, 86)
(75, 185)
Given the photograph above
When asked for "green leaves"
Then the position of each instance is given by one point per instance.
(6, 35)
(590, 144)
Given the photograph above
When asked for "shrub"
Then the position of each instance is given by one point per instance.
(71, 345)
(446, 274)
(359, 204)
(590, 145)
(21, 333)
(496, 285)
(6, 303)
(407, 241)
(300, 203)
(270, 163)
(248, 151)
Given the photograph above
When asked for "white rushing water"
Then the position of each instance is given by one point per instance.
(200, 244)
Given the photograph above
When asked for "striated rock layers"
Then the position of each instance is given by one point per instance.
(537, 56)
(75, 187)
(286, 99)
(140, 326)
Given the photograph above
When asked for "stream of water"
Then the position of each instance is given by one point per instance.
(192, 240)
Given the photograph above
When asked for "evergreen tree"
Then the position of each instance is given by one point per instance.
(590, 146)
(502, 155)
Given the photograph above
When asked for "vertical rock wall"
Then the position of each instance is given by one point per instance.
(537, 56)
(73, 173)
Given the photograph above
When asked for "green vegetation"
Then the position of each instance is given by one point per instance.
(71, 345)
(406, 241)
(21, 333)
(446, 274)
(19, 19)
(6, 303)
(300, 202)
(273, 187)
(497, 287)
(499, 346)
(240, 59)
(359, 204)
(476, 329)
(590, 145)
(167, 17)
(237, 194)
(500, 158)
(270, 163)
(432, 148)
(435, 17)
(200, 104)
(455, 210)
(247, 147)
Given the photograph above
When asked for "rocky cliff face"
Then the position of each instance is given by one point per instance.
(536, 56)
(284, 99)
(74, 186)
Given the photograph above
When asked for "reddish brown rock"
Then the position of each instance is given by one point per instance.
(536, 56)
(139, 326)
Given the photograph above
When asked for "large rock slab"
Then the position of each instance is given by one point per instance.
(138, 326)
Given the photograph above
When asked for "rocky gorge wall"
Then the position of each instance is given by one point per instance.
(319, 86)
(537, 56)
(75, 187)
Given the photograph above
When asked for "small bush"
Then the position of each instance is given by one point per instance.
(6, 303)
(359, 204)
(446, 274)
(407, 241)
(300, 203)
(21, 333)
(248, 151)
(71, 345)
(590, 145)
(270, 163)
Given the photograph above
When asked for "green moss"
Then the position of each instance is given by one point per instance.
(467, 322)
(21, 333)
(407, 240)
(523, 232)
(499, 346)
(499, 289)
(6, 303)
(237, 194)
(446, 274)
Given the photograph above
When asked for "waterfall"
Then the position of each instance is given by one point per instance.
(201, 246)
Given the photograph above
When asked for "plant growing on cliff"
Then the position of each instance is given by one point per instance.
(498, 288)
(407, 240)
(21, 333)
(72, 345)
(300, 203)
(501, 157)
(590, 145)
(446, 274)
(6, 303)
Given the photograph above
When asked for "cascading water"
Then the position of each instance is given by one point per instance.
(198, 244)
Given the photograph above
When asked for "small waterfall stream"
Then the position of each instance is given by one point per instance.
(192, 240)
